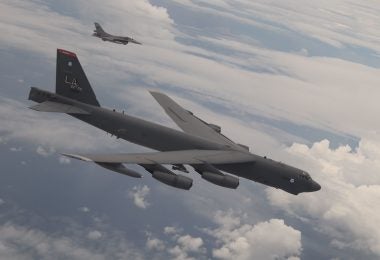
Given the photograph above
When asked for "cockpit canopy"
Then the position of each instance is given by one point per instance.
(304, 175)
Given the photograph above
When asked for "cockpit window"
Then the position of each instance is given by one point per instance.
(305, 175)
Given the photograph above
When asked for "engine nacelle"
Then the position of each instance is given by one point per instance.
(226, 181)
(177, 181)
(215, 127)
(120, 168)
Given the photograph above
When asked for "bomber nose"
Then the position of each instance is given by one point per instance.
(315, 186)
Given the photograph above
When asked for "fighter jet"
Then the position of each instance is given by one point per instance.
(100, 33)
(199, 145)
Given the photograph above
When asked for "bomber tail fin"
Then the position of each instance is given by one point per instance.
(99, 29)
(71, 81)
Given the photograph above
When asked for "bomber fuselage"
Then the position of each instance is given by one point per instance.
(162, 138)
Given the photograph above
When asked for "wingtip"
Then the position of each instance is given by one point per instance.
(155, 93)
(76, 156)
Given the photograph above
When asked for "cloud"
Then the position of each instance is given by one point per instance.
(20, 242)
(187, 245)
(15, 149)
(170, 230)
(84, 209)
(335, 23)
(263, 240)
(177, 245)
(314, 81)
(155, 244)
(94, 235)
(1, 201)
(64, 160)
(45, 152)
(139, 194)
(346, 209)
(48, 130)
(229, 80)
(190, 244)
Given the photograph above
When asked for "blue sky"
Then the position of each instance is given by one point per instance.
(294, 81)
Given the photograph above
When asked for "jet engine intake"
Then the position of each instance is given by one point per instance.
(223, 180)
(177, 181)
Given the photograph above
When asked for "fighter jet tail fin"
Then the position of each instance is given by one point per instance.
(71, 81)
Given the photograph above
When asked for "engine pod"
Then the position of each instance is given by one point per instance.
(177, 181)
(223, 180)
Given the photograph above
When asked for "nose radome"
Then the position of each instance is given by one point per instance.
(315, 186)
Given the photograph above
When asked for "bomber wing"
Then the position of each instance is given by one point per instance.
(50, 106)
(190, 123)
(171, 157)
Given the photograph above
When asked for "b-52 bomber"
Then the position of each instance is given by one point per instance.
(200, 145)
(100, 33)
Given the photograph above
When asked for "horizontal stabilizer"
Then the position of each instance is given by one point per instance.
(49, 106)
(171, 157)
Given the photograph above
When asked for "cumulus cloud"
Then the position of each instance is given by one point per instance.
(15, 149)
(243, 80)
(346, 209)
(50, 132)
(84, 209)
(170, 230)
(45, 152)
(263, 240)
(139, 194)
(186, 246)
(64, 160)
(20, 242)
(155, 244)
(94, 235)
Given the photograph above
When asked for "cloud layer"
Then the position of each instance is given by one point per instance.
(252, 67)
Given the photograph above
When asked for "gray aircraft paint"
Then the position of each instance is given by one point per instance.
(77, 93)
(100, 33)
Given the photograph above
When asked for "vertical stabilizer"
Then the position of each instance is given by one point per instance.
(99, 29)
(71, 81)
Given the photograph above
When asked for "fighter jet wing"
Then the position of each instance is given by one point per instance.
(50, 106)
(171, 157)
(188, 122)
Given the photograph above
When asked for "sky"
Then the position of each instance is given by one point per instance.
(295, 81)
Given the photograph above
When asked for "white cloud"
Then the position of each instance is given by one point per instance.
(139, 194)
(170, 230)
(94, 235)
(15, 149)
(45, 152)
(84, 209)
(186, 246)
(324, 92)
(64, 160)
(49, 130)
(315, 82)
(336, 22)
(264, 240)
(346, 209)
(155, 244)
(19, 242)
(179, 246)
(190, 244)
